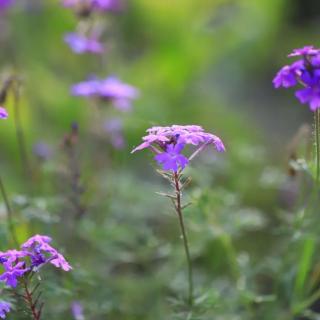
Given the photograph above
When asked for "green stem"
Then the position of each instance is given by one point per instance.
(9, 213)
(19, 129)
(184, 234)
(317, 133)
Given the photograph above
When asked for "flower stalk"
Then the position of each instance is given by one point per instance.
(19, 130)
(30, 301)
(9, 213)
(178, 209)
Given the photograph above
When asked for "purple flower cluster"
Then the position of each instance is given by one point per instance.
(4, 309)
(82, 44)
(3, 113)
(5, 4)
(110, 89)
(94, 5)
(169, 142)
(34, 253)
(306, 72)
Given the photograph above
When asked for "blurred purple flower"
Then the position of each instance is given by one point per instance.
(3, 113)
(111, 89)
(96, 5)
(169, 142)
(42, 150)
(4, 309)
(305, 72)
(108, 5)
(77, 310)
(5, 4)
(81, 44)
(114, 129)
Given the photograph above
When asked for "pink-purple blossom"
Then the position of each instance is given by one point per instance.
(94, 5)
(169, 142)
(3, 113)
(4, 309)
(305, 51)
(304, 72)
(111, 89)
(34, 253)
(82, 44)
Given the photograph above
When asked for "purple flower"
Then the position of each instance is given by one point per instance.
(4, 309)
(108, 5)
(81, 44)
(114, 129)
(12, 273)
(95, 5)
(3, 113)
(60, 262)
(169, 142)
(305, 72)
(36, 240)
(77, 310)
(305, 51)
(42, 150)
(191, 134)
(288, 76)
(13, 267)
(34, 253)
(5, 4)
(172, 158)
(86, 89)
(110, 89)
(41, 252)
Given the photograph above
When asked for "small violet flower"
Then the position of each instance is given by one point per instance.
(4, 309)
(306, 72)
(110, 89)
(42, 150)
(3, 113)
(81, 44)
(172, 158)
(77, 310)
(169, 142)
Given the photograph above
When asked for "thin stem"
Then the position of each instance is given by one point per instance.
(178, 208)
(9, 213)
(19, 129)
(317, 132)
(29, 300)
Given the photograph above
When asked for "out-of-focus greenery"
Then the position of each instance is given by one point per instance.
(210, 62)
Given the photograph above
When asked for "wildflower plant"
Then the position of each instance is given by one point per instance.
(305, 73)
(20, 266)
(168, 145)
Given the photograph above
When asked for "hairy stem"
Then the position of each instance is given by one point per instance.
(178, 209)
(32, 305)
(9, 213)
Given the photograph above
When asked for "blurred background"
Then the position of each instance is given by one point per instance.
(208, 62)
